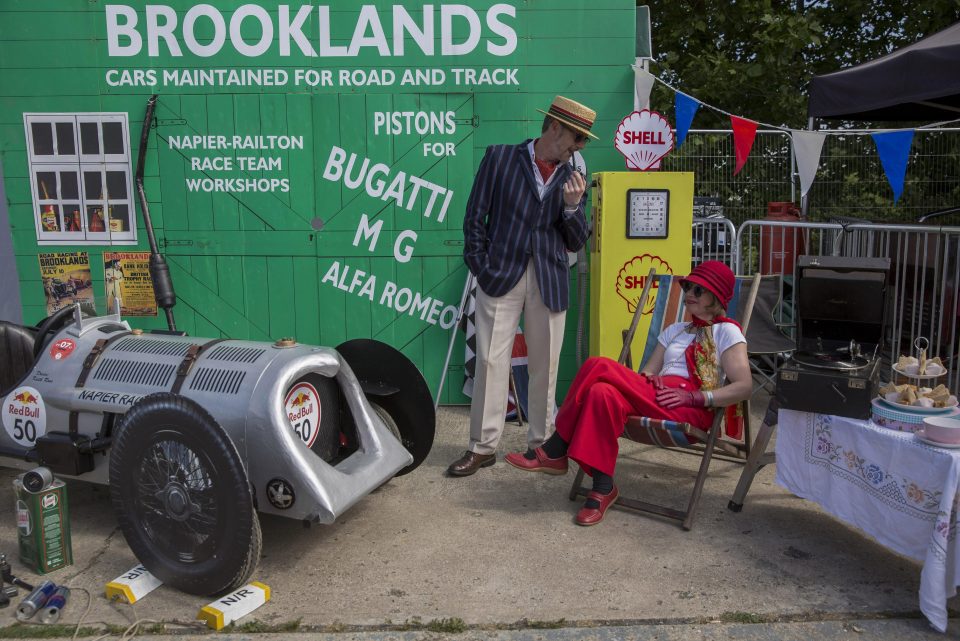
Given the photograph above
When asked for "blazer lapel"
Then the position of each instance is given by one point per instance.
(560, 176)
(526, 168)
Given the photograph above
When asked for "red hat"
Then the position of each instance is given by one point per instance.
(716, 277)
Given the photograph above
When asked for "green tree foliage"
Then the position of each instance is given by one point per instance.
(754, 58)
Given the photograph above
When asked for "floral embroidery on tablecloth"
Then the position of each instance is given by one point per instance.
(903, 491)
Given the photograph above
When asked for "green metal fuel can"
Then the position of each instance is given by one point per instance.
(43, 523)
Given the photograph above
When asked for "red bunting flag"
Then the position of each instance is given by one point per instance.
(744, 131)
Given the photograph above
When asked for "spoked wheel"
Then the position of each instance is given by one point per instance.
(182, 497)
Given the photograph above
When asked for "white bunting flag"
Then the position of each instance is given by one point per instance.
(807, 146)
(642, 84)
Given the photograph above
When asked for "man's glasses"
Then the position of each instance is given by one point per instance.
(577, 136)
(688, 287)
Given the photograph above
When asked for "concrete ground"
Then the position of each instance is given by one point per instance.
(497, 555)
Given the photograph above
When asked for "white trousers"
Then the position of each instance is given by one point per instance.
(497, 319)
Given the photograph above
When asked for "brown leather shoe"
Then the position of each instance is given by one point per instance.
(470, 462)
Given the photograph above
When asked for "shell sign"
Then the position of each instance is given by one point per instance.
(631, 278)
(643, 137)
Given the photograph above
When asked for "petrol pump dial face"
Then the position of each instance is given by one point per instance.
(647, 213)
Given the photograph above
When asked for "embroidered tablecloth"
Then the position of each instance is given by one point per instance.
(889, 484)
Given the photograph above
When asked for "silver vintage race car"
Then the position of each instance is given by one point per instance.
(195, 435)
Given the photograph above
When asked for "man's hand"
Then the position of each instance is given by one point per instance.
(573, 189)
(671, 398)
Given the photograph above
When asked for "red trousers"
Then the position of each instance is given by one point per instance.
(602, 395)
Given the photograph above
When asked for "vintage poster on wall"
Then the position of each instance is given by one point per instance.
(127, 277)
(66, 280)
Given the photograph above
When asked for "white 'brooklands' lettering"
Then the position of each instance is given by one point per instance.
(251, 30)
(374, 182)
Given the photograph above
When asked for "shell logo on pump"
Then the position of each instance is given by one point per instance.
(302, 407)
(633, 275)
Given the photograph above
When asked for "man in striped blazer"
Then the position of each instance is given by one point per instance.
(526, 210)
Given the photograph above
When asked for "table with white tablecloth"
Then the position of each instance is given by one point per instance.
(891, 485)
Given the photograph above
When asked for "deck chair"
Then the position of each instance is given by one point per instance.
(668, 309)
(767, 344)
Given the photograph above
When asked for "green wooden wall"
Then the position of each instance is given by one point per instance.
(252, 265)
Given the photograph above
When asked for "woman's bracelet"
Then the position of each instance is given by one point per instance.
(708, 399)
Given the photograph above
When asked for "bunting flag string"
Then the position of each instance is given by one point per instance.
(893, 146)
(744, 133)
(894, 150)
(807, 147)
(685, 108)
(642, 85)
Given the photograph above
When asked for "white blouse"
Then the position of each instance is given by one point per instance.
(676, 339)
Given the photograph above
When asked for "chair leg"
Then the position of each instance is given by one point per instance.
(577, 489)
(758, 458)
(701, 478)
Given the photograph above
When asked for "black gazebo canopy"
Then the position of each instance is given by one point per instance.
(918, 82)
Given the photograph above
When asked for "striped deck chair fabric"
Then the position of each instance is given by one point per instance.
(669, 309)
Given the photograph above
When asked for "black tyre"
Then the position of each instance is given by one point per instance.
(397, 391)
(182, 498)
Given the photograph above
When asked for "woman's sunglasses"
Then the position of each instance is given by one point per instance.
(689, 287)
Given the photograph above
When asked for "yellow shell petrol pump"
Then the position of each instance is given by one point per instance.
(641, 220)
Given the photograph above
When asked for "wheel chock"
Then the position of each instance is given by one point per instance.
(235, 605)
(133, 585)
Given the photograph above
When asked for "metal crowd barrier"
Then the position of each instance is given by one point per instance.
(714, 238)
(924, 276)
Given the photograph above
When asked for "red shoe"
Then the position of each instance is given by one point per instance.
(542, 462)
(593, 515)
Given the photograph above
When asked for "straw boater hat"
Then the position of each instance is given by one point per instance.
(572, 114)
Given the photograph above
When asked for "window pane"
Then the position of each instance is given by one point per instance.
(89, 143)
(72, 220)
(42, 138)
(113, 138)
(50, 217)
(65, 143)
(116, 185)
(68, 185)
(92, 185)
(47, 185)
(95, 218)
(119, 218)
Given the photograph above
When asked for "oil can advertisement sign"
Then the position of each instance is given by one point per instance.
(127, 277)
(66, 280)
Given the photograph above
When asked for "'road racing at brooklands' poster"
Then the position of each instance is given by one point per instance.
(66, 280)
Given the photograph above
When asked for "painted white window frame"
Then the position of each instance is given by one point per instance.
(79, 163)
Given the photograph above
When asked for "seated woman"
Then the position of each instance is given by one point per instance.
(680, 382)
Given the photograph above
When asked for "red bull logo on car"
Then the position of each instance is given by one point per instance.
(302, 407)
(23, 415)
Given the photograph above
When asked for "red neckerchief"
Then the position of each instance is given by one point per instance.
(733, 413)
(546, 168)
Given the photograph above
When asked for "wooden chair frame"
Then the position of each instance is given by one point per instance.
(709, 440)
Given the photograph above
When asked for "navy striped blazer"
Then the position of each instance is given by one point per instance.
(507, 223)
